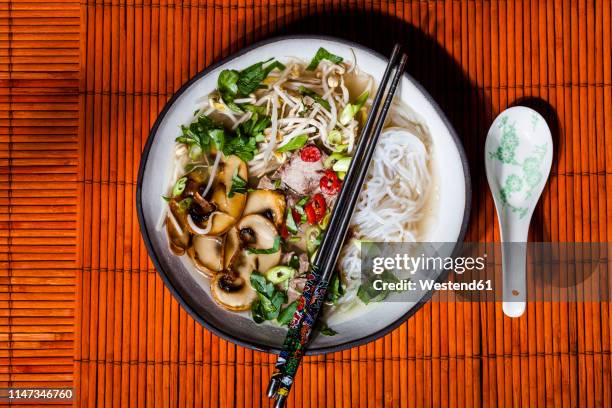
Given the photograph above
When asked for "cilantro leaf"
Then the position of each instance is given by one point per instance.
(322, 54)
(336, 290)
(368, 294)
(239, 186)
(228, 82)
(324, 329)
(286, 315)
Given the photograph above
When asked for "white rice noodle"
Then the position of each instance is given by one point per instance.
(392, 199)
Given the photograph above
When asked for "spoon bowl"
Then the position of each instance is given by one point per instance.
(518, 158)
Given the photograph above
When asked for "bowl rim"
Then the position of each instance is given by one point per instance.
(163, 274)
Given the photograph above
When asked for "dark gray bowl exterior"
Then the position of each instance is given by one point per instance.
(190, 297)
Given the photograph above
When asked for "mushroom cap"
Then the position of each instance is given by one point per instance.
(269, 203)
(241, 294)
(207, 254)
(264, 235)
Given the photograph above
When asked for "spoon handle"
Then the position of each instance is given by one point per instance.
(514, 264)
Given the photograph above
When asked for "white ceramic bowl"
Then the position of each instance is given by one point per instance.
(191, 289)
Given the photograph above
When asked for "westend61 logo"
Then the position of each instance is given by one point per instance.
(412, 264)
(552, 271)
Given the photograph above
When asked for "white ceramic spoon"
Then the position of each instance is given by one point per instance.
(518, 157)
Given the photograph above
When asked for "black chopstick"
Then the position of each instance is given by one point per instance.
(359, 150)
(323, 266)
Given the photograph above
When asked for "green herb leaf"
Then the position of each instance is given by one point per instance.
(368, 294)
(274, 249)
(322, 54)
(286, 315)
(179, 187)
(218, 138)
(326, 330)
(244, 145)
(294, 262)
(245, 148)
(274, 65)
(251, 77)
(228, 82)
(249, 107)
(317, 98)
(239, 186)
(294, 144)
(257, 312)
(233, 106)
(261, 285)
(335, 290)
(202, 133)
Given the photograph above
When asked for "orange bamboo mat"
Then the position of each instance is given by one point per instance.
(81, 83)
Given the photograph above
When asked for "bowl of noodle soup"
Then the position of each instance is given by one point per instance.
(251, 152)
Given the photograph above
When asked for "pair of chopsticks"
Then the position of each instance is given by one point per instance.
(321, 270)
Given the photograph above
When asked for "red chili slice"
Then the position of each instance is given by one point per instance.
(296, 216)
(310, 153)
(315, 209)
(311, 216)
(330, 183)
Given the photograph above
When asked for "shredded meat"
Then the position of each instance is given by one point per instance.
(266, 184)
(304, 264)
(300, 176)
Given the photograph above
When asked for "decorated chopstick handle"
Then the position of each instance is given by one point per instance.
(299, 335)
(293, 339)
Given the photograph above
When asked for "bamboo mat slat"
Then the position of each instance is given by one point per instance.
(39, 200)
(81, 83)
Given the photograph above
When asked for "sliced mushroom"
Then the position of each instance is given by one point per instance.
(235, 204)
(232, 206)
(207, 254)
(179, 239)
(221, 223)
(229, 209)
(256, 231)
(232, 288)
(232, 246)
(271, 204)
